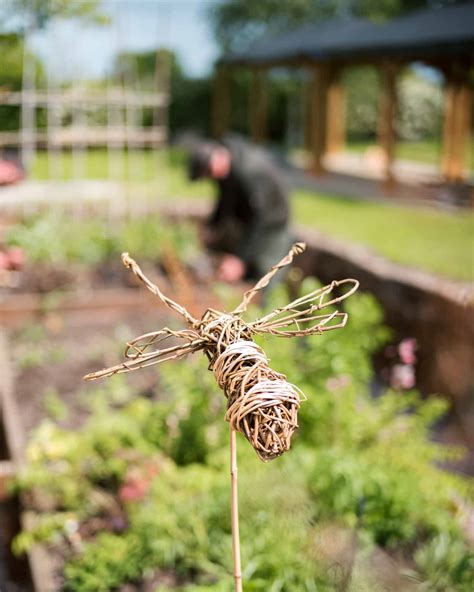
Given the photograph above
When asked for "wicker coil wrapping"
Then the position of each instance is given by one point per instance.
(261, 404)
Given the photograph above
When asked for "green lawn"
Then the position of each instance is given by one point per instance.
(157, 173)
(440, 242)
(424, 151)
(437, 241)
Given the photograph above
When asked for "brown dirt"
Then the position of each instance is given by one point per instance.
(41, 278)
(71, 346)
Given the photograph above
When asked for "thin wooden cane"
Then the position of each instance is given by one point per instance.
(235, 513)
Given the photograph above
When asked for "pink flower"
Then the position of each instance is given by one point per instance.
(134, 490)
(403, 376)
(406, 350)
(137, 483)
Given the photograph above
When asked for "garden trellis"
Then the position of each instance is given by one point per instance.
(83, 133)
(85, 114)
(261, 404)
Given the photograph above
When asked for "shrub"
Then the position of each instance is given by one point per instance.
(445, 564)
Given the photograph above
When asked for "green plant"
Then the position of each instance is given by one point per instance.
(149, 237)
(55, 238)
(362, 466)
(445, 564)
(53, 405)
(31, 355)
(106, 564)
(59, 239)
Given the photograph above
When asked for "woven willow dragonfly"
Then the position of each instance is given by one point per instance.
(261, 404)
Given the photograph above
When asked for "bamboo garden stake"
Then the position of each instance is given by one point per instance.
(261, 404)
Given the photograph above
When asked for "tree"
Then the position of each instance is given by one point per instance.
(190, 97)
(11, 76)
(36, 14)
(11, 50)
(18, 19)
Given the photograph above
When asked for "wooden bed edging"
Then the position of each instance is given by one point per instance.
(19, 308)
(436, 311)
(38, 559)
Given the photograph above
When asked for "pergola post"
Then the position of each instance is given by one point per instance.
(336, 113)
(258, 106)
(307, 86)
(317, 117)
(221, 102)
(457, 125)
(387, 113)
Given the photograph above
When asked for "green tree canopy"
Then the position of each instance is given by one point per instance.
(37, 13)
(190, 97)
(11, 76)
(11, 50)
(143, 65)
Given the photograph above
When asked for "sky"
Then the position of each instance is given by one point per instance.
(73, 50)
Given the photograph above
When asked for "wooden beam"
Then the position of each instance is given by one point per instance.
(39, 560)
(457, 127)
(7, 473)
(387, 113)
(162, 87)
(258, 107)
(448, 125)
(306, 90)
(87, 99)
(336, 114)
(115, 136)
(317, 118)
(221, 102)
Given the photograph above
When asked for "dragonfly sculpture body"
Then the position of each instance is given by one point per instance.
(261, 404)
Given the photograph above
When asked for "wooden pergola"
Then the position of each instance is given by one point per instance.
(442, 38)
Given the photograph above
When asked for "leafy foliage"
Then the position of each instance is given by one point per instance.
(362, 87)
(190, 95)
(55, 238)
(11, 72)
(38, 13)
(445, 565)
(421, 108)
(153, 474)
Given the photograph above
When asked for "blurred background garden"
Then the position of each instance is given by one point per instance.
(366, 108)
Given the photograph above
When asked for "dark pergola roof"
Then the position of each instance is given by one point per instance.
(424, 33)
(311, 39)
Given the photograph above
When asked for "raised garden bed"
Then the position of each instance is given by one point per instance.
(81, 332)
(81, 270)
(65, 320)
(42, 369)
(15, 573)
(182, 474)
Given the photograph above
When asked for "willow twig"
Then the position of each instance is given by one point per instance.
(263, 282)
